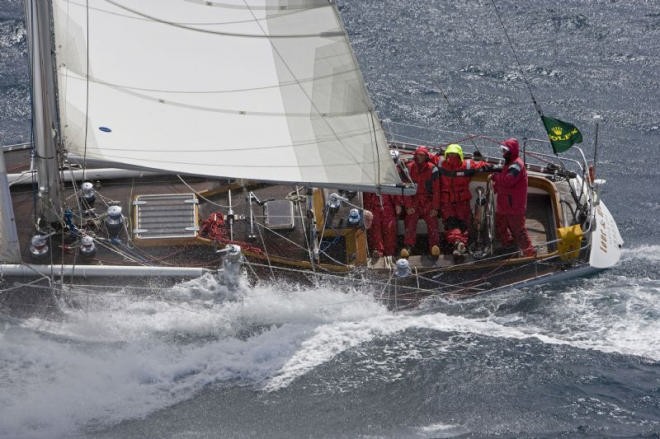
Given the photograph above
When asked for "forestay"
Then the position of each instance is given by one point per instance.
(249, 89)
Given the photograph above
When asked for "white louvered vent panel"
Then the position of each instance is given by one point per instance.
(166, 216)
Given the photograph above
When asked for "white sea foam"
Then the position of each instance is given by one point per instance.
(581, 321)
(121, 355)
(617, 315)
(648, 252)
(326, 341)
(438, 431)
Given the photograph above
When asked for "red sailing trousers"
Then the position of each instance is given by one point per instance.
(511, 230)
(421, 211)
(382, 233)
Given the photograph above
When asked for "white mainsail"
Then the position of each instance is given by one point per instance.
(255, 89)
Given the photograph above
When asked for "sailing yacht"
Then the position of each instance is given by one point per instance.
(174, 139)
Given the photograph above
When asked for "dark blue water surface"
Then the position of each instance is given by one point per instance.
(576, 359)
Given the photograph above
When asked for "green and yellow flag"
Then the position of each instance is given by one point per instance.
(562, 134)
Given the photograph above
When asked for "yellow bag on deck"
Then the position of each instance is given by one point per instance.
(570, 240)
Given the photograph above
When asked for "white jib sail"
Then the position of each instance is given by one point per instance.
(255, 89)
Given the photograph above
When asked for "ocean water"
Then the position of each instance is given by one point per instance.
(578, 359)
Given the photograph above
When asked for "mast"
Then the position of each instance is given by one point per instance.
(45, 121)
(9, 246)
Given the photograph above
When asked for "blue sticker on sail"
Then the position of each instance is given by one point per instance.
(105, 129)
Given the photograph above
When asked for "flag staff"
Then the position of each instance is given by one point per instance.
(592, 174)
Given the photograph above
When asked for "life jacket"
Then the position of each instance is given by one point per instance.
(454, 182)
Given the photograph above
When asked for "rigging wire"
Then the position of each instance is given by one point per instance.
(87, 88)
(313, 104)
(537, 107)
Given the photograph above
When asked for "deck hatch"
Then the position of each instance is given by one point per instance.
(279, 214)
(165, 216)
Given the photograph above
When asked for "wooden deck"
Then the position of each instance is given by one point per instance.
(273, 225)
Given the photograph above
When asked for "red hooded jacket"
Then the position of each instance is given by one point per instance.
(428, 183)
(511, 184)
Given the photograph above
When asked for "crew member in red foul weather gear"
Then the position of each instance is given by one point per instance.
(455, 174)
(381, 234)
(424, 204)
(511, 188)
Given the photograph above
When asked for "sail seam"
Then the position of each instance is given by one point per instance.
(228, 34)
(236, 90)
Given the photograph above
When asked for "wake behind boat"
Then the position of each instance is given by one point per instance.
(244, 135)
